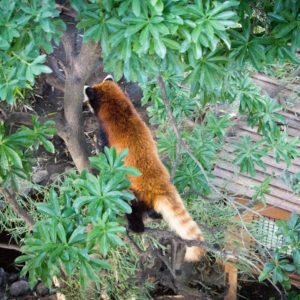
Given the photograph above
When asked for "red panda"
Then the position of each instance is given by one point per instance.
(124, 128)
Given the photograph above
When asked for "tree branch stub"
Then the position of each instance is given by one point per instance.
(10, 197)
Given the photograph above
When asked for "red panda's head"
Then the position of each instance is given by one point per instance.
(105, 91)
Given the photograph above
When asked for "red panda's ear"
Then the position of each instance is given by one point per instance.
(93, 98)
(89, 92)
(108, 78)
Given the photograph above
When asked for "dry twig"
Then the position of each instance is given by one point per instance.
(10, 247)
(10, 197)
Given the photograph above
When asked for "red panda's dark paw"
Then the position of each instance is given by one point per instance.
(154, 215)
(136, 225)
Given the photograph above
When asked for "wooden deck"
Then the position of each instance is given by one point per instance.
(229, 179)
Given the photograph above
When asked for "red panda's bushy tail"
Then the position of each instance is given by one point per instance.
(175, 214)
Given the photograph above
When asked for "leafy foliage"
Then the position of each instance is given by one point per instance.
(283, 263)
(80, 221)
(263, 112)
(16, 150)
(26, 27)
(292, 180)
(249, 154)
(261, 190)
(194, 39)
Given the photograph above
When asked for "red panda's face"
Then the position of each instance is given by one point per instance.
(100, 92)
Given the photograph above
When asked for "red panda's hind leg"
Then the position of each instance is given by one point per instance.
(135, 219)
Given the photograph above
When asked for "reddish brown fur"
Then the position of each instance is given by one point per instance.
(125, 129)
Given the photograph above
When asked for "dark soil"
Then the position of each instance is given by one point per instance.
(7, 257)
(253, 290)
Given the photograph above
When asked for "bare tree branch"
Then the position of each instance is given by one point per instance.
(66, 10)
(10, 197)
(53, 64)
(55, 82)
(68, 42)
(10, 247)
(86, 60)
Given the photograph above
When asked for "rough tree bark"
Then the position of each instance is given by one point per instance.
(78, 69)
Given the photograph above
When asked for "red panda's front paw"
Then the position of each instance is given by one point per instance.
(136, 225)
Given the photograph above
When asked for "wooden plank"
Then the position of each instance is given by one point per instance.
(273, 212)
(236, 189)
(260, 175)
(290, 115)
(294, 109)
(253, 182)
(293, 124)
(255, 137)
(232, 273)
(268, 210)
(291, 131)
(269, 161)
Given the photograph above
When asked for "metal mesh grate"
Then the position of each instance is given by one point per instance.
(267, 232)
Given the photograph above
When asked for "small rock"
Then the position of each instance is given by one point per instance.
(39, 176)
(19, 288)
(12, 277)
(42, 290)
(2, 277)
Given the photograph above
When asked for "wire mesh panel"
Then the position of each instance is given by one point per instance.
(267, 233)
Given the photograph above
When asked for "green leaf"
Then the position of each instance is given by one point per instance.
(4, 45)
(289, 268)
(293, 220)
(170, 43)
(136, 7)
(78, 235)
(119, 159)
(284, 30)
(160, 48)
(222, 7)
(103, 245)
(61, 233)
(114, 239)
(131, 171)
(101, 264)
(46, 209)
(268, 267)
(39, 69)
(133, 29)
(23, 258)
(48, 146)
(93, 32)
(14, 157)
(196, 33)
(124, 206)
(83, 200)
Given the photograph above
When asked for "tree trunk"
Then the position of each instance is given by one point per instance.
(79, 69)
